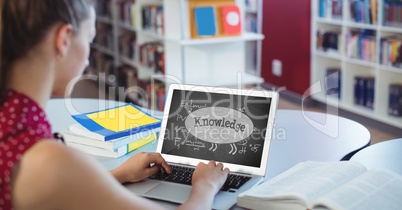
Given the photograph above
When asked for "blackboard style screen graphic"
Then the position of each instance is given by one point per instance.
(213, 126)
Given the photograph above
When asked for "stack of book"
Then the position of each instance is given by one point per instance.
(113, 132)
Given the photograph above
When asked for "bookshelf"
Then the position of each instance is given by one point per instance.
(253, 23)
(127, 36)
(361, 29)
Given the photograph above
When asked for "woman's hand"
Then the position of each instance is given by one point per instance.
(206, 182)
(139, 167)
(210, 174)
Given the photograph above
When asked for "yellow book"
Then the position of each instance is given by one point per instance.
(118, 122)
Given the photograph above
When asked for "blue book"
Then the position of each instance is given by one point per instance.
(205, 21)
(360, 90)
(370, 87)
(117, 122)
(322, 8)
(358, 6)
(395, 100)
(367, 11)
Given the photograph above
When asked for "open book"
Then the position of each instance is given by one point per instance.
(327, 185)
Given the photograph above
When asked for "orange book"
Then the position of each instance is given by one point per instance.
(231, 20)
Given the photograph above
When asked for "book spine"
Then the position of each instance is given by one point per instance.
(139, 143)
(395, 100)
(370, 93)
(366, 11)
(359, 95)
(322, 8)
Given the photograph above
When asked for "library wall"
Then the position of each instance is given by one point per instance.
(286, 26)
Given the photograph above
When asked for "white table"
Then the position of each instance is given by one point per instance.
(296, 137)
(387, 154)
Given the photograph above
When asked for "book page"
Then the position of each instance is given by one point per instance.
(375, 189)
(306, 181)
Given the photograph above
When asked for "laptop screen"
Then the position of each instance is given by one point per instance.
(214, 126)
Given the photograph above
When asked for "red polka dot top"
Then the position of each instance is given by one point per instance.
(22, 124)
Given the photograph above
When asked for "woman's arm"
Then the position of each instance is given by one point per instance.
(206, 181)
(52, 176)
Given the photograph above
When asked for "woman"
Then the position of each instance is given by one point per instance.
(44, 45)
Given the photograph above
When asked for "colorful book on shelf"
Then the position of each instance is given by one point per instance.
(77, 134)
(360, 90)
(370, 92)
(205, 21)
(116, 153)
(322, 7)
(364, 87)
(117, 122)
(395, 100)
(231, 19)
(327, 185)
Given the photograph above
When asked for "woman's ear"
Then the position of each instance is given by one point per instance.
(63, 39)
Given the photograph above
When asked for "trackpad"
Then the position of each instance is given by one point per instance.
(170, 192)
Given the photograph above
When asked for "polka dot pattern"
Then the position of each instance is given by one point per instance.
(22, 124)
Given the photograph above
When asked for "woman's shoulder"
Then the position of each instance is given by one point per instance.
(43, 171)
(50, 158)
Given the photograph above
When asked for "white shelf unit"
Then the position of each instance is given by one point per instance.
(205, 61)
(219, 61)
(351, 67)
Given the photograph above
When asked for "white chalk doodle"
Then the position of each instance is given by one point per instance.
(181, 118)
(255, 147)
(233, 149)
(213, 147)
(243, 150)
(242, 142)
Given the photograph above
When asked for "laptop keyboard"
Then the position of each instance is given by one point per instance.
(182, 175)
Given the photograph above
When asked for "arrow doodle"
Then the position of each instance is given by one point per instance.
(213, 147)
(233, 149)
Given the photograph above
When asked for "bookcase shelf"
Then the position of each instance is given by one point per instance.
(102, 49)
(105, 20)
(329, 21)
(243, 38)
(371, 34)
(214, 61)
(361, 25)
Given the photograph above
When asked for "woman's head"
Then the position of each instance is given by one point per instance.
(26, 23)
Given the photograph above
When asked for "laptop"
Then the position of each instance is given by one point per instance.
(200, 124)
